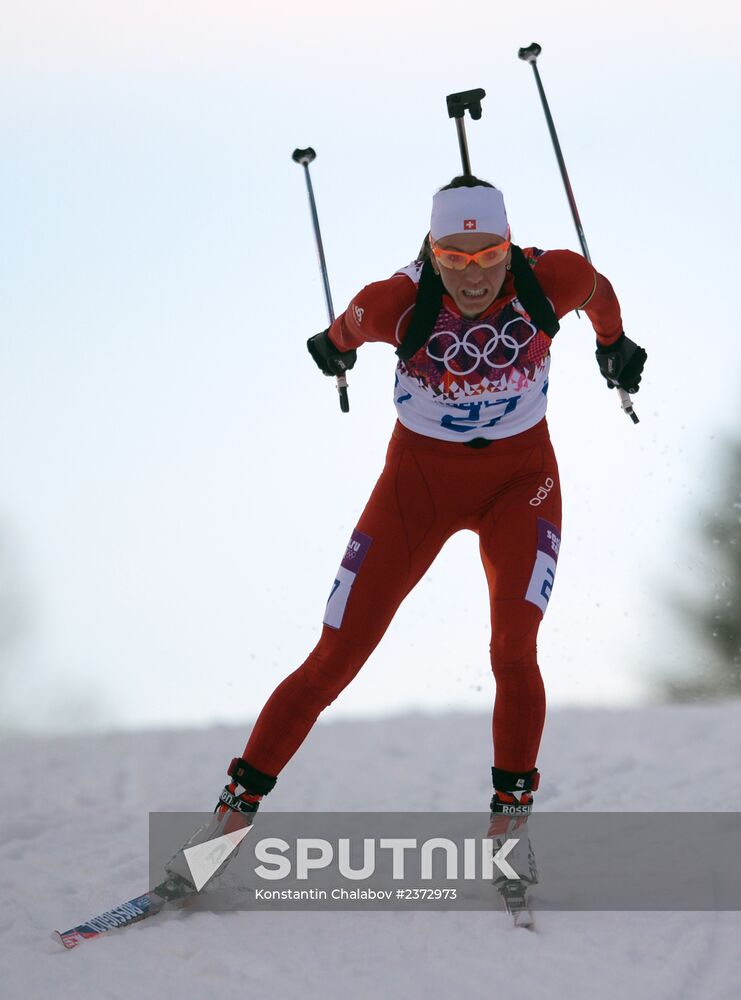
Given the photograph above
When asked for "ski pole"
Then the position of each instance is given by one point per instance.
(530, 55)
(458, 104)
(305, 157)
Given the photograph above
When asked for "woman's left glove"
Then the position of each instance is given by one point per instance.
(328, 358)
(622, 363)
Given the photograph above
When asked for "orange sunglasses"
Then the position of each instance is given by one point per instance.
(457, 260)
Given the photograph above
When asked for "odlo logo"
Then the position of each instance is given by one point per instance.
(542, 493)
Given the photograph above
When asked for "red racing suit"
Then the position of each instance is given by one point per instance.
(485, 381)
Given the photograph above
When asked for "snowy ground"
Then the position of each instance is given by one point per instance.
(73, 841)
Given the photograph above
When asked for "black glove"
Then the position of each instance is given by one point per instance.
(328, 358)
(622, 363)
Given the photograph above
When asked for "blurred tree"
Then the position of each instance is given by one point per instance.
(37, 695)
(716, 620)
(11, 603)
(12, 626)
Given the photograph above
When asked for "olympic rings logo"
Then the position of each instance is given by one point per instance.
(454, 353)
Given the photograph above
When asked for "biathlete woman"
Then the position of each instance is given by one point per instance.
(470, 450)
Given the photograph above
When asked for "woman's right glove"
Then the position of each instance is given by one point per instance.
(329, 360)
(622, 363)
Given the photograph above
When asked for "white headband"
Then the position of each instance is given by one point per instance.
(468, 210)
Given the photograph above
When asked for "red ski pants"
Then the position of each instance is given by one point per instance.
(508, 493)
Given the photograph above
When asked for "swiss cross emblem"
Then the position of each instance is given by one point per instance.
(469, 223)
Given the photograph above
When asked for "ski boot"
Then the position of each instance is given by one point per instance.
(235, 810)
(511, 806)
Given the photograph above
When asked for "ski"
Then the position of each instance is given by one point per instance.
(516, 903)
(202, 861)
(524, 918)
(173, 890)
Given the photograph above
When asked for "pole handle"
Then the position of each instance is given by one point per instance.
(304, 156)
(530, 53)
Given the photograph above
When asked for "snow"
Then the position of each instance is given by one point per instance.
(73, 842)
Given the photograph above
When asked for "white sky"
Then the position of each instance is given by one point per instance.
(177, 483)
